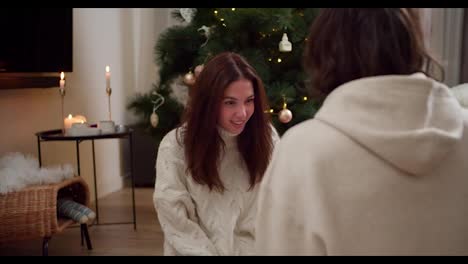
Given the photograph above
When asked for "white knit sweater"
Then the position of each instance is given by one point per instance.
(196, 221)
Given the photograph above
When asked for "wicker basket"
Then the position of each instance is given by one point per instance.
(32, 212)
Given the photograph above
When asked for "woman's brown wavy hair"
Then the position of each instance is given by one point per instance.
(202, 142)
(345, 44)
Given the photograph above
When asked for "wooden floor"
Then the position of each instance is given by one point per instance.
(107, 240)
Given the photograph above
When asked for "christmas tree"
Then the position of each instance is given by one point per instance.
(271, 39)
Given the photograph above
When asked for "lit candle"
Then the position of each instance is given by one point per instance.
(80, 119)
(108, 77)
(70, 120)
(62, 81)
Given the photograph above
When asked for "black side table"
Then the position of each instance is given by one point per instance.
(57, 135)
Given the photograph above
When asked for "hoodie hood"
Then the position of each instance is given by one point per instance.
(410, 121)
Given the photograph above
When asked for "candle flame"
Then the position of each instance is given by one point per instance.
(107, 69)
(69, 116)
(62, 75)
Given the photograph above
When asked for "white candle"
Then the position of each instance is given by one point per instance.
(79, 125)
(62, 81)
(108, 77)
(70, 120)
(80, 119)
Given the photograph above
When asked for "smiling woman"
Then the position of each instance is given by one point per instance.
(209, 168)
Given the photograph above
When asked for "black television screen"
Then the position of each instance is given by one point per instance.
(36, 40)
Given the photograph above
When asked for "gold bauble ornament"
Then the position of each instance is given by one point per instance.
(154, 119)
(285, 116)
(189, 79)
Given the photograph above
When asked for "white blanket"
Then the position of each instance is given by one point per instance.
(18, 171)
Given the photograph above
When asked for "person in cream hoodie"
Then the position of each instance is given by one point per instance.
(382, 168)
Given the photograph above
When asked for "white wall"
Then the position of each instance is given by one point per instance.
(147, 24)
(121, 38)
(446, 27)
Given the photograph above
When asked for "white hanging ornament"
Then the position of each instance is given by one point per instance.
(154, 119)
(188, 13)
(285, 45)
(205, 31)
(285, 116)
